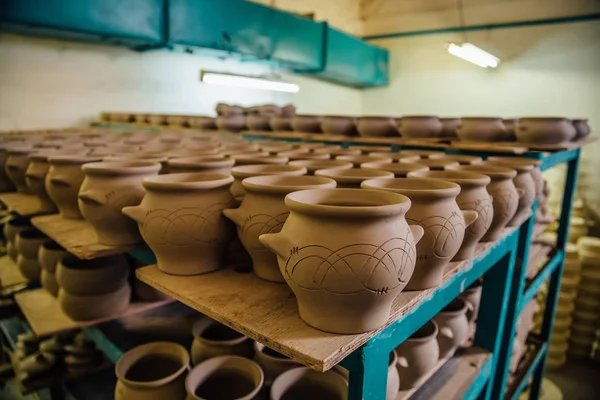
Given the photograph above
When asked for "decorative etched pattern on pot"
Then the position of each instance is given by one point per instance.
(259, 224)
(443, 234)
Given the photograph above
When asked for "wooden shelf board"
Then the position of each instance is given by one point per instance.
(22, 204)
(45, 316)
(267, 312)
(9, 273)
(76, 236)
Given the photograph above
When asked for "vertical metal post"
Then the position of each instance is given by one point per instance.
(368, 368)
(554, 285)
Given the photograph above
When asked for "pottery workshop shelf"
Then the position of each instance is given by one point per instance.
(76, 236)
(45, 316)
(532, 360)
(267, 312)
(9, 273)
(23, 204)
(542, 276)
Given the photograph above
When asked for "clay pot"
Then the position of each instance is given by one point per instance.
(212, 339)
(352, 177)
(246, 171)
(203, 123)
(29, 267)
(393, 378)
(258, 123)
(49, 282)
(35, 176)
(434, 208)
(400, 170)
(306, 123)
(363, 236)
(438, 164)
(339, 125)
(288, 110)
(582, 129)
(505, 198)
(420, 126)
(16, 165)
(272, 363)
(180, 220)
(263, 211)
(545, 130)
(472, 295)
(337, 152)
(28, 243)
(511, 126)
(153, 371)
(231, 123)
(523, 182)
(106, 189)
(311, 147)
(14, 226)
(247, 159)
(214, 165)
(6, 185)
(463, 160)
(177, 120)
(314, 165)
(305, 383)
(226, 109)
(358, 160)
(423, 154)
(376, 127)
(453, 327)
(395, 156)
(473, 196)
(449, 126)
(227, 377)
(303, 155)
(417, 355)
(92, 277)
(63, 182)
(280, 123)
(87, 308)
(483, 129)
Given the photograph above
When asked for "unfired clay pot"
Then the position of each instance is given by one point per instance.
(29, 267)
(92, 277)
(35, 177)
(258, 123)
(63, 182)
(511, 125)
(483, 129)
(16, 225)
(314, 165)
(400, 170)
(352, 177)
(249, 159)
(280, 123)
(28, 243)
(504, 195)
(417, 355)
(423, 154)
(473, 196)
(227, 377)
(263, 211)
(463, 160)
(180, 218)
(420, 126)
(545, 130)
(434, 208)
(582, 128)
(272, 363)
(212, 339)
(305, 383)
(203, 123)
(246, 171)
(16, 165)
(396, 156)
(87, 308)
(438, 164)
(294, 155)
(232, 123)
(333, 153)
(339, 125)
(215, 165)
(377, 126)
(306, 123)
(106, 189)
(472, 296)
(453, 327)
(346, 254)
(449, 126)
(153, 371)
(358, 160)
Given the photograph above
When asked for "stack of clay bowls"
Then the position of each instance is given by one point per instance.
(93, 289)
(11, 229)
(27, 243)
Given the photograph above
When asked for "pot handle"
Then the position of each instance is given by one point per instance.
(92, 199)
(234, 215)
(417, 232)
(277, 243)
(446, 332)
(136, 213)
(402, 361)
(521, 192)
(470, 216)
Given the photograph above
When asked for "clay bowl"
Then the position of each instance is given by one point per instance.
(258, 123)
(423, 154)
(483, 129)
(92, 277)
(339, 125)
(87, 308)
(201, 164)
(545, 130)
(377, 127)
(400, 170)
(449, 126)
(438, 164)
(201, 122)
(245, 159)
(306, 123)
(314, 165)
(232, 123)
(582, 128)
(28, 243)
(395, 156)
(420, 126)
(358, 160)
(352, 177)
(280, 123)
(463, 160)
(333, 153)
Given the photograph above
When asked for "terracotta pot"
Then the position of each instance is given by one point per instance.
(483, 129)
(463, 160)
(63, 182)
(337, 152)
(49, 254)
(226, 109)
(272, 363)
(305, 383)
(400, 170)
(449, 126)
(49, 283)
(263, 211)
(352, 177)
(6, 185)
(28, 243)
(545, 130)
(92, 277)
(377, 127)
(303, 155)
(35, 176)
(16, 165)
(420, 126)
(306, 123)
(395, 156)
(434, 208)
(364, 237)
(153, 371)
(358, 160)
(227, 377)
(473, 196)
(204, 123)
(14, 226)
(505, 198)
(339, 125)
(246, 171)
(88, 308)
(29, 267)
(314, 165)
(106, 189)
(523, 182)
(214, 165)
(453, 327)
(423, 154)
(417, 355)
(280, 123)
(258, 123)
(180, 220)
(582, 128)
(212, 339)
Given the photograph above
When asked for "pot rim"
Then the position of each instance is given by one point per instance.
(493, 171)
(500, 119)
(395, 167)
(316, 164)
(422, 153)
(439, 162)
(247, 171)
(125, 158)
(364, 158)
(187, 181)
(352, 175)
(519, 167)
(284, 184)
(456, 176)
(413, 187)
(204, 323)
(259, 347)
(120, 168)
(390, 204)
(208, 162)
(456, 301)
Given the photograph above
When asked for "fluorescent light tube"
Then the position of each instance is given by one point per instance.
(474, 54)
(215, 78)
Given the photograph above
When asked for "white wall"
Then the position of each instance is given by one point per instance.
(46, 83)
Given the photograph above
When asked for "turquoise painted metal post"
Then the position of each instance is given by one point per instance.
(368, 368)
(554, 286)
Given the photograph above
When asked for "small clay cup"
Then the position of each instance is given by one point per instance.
(212, 339)
(482, 129)
(400, 170)
(306, 383)
(352, 177)
(246, 171)
(417, 355)
(314, 165)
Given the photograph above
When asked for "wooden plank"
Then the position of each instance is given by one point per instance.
(45, 316)
(76, 236)
(491, 147)
(519, 147)
(23, 204)
(10, 275)
(267, 312)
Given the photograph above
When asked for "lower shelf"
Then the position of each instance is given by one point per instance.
(521, 377)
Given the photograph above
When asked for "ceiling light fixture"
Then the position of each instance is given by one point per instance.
(216, 78)
(474, 54)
